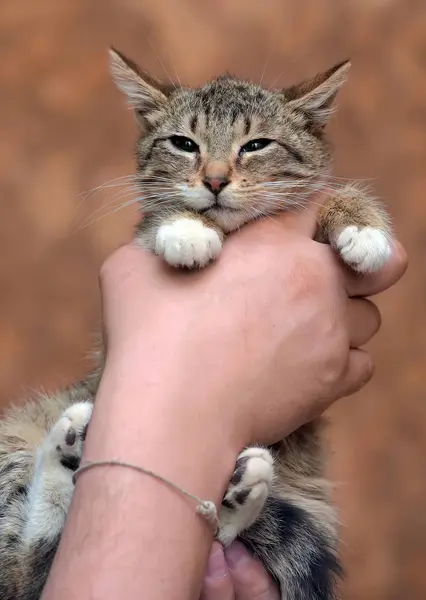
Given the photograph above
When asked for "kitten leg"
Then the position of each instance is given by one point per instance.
(358, 228)
(247, 493)
(183, 239)
(50, 496)
(51, 489)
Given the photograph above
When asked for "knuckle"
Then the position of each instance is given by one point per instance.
(334, 368)
(318, 269)
(335, 352)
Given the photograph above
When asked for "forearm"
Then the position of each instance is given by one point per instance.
(128, 534)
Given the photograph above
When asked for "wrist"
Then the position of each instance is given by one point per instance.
(164, 374)
(154, 419)
(162, 429)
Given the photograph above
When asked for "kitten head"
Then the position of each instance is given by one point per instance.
(230, 149)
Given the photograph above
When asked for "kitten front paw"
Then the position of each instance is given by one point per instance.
(364, 249)
(66, 438)
(187, 243)
(247, 492)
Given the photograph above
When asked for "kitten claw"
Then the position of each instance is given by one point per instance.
(364, 249)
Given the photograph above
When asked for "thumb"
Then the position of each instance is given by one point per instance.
(251, 581)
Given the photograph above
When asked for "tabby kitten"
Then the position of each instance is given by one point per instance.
(208, 161)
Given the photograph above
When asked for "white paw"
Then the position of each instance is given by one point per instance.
(247, 493)
(254, 465)
(365, 249)
(66, 438)
(52, 485)
(187, 243)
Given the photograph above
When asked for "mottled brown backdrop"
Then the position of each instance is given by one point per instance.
(64, 130)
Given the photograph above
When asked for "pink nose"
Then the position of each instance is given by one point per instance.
(215, 184)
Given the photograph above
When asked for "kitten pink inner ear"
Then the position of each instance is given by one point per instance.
(317, 95)
(143, 92)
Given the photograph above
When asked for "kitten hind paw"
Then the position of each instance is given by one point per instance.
(66, 438)
(247, 492)
(364, 249)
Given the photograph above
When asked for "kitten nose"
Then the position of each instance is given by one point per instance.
(216, 183)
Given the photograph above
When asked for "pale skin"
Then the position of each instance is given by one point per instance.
(199, 365)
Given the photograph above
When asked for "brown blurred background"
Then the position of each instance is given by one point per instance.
(64, 130)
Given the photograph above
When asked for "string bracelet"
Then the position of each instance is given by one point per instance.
(206, 508)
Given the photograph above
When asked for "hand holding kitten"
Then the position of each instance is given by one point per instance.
(278, 331)
(203, 339)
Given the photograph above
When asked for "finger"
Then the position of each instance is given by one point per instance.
(363, 318)
(217, 581)
(374, 283)
(359, 372)
(251, 581)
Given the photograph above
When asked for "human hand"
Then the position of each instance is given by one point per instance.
(234, 574)
(259, 342)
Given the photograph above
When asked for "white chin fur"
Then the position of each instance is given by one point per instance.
(227, 220)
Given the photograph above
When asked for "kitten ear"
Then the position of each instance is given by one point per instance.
(317, 95)
(143, 92)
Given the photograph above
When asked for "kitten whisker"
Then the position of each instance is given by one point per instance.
(176, 74)
(156, 200)
(111, 181)
(345, 179)
(108, 184)
(275, 81)
(118, 196)
(263, 71)
(162, 63)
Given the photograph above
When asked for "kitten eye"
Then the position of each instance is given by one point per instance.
(184, 143)
(255, 145)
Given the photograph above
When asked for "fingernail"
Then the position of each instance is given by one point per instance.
(216, 567)
(237, 555)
